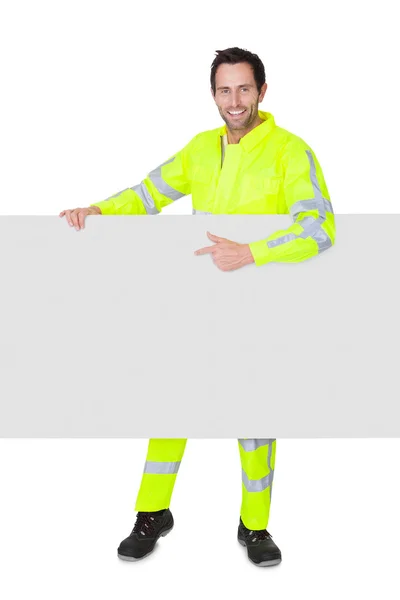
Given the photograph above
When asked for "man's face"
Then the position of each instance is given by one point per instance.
(236, 95)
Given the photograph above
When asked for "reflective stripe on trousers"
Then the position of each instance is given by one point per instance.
(161, 467)
(257, 457)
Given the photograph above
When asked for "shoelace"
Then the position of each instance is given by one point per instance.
(258, 535)
(144, 524)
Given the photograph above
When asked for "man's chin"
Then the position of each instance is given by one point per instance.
(233, 123)
(236, 124)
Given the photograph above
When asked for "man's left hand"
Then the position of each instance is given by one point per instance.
(227, 255)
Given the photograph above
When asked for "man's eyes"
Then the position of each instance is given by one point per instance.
(243, 88)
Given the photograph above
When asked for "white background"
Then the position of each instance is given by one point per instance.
(94, 96)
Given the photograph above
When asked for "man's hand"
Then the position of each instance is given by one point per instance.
(76, 216)
(227, 255)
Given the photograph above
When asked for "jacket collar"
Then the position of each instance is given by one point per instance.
(254, 137)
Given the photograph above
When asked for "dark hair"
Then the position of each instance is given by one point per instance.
(232, 56)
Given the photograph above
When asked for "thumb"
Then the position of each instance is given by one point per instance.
(216, 238)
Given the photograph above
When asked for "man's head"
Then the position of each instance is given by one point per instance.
(238, 86)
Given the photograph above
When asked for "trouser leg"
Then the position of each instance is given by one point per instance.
(257, 458)
(160, 470)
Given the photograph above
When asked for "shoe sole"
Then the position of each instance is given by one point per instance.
(264, 563)
(133, 559)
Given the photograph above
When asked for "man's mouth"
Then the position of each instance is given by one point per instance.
(236, 113)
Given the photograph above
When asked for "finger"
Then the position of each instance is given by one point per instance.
(215, 238)
(62, 213)
(74, 218)
(205, 250)
(81, 219)
(68, 217)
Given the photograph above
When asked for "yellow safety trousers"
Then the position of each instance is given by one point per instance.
(257, 457)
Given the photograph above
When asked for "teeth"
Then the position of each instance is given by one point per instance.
(237, 112)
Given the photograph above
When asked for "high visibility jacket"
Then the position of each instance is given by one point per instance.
(270, 171)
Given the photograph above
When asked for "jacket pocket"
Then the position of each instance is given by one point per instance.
(265, 182)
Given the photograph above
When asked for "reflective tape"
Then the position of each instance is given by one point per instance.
(271, 470)
(313, 229)
(161, 468)
(161, 185)
(311, 226)
(256, 485)
(143, 193)
(306, 205)
(270, 454)
(317, 190)
(249, 445)
(148, 201)
(200, 212)
(289, 237)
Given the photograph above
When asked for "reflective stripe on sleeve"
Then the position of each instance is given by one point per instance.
(313, 229)
(148, 202)
(306, 205)
(311, 226)
(161, 185)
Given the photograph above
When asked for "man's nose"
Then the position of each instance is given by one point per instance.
(235, 99)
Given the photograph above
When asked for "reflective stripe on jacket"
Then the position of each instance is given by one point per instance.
(270, 171)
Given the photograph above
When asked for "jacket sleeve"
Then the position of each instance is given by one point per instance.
(308, 202)
(165, 184)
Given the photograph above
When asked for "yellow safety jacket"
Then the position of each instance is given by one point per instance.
(270, 171)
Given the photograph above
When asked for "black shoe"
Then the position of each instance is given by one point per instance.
(261, 550)
(148, 528)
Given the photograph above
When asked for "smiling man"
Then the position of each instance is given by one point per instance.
(248, 166)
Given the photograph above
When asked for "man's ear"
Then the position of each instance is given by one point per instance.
(212, 94)
(263, 92)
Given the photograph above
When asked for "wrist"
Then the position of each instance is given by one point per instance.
(248, 256)
(97, 209)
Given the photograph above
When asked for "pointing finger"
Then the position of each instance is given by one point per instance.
(205, 250)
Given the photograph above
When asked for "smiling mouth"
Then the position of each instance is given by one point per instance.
(236, 113)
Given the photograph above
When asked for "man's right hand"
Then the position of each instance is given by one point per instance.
(76, 216)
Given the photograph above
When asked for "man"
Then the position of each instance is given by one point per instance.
(248, 166)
